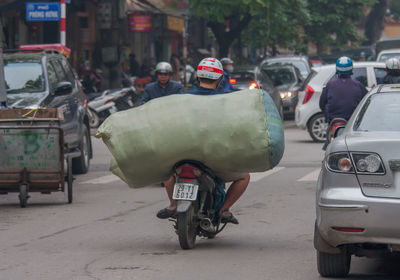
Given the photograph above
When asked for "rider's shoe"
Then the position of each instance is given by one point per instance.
(228, 218)
(165, 213)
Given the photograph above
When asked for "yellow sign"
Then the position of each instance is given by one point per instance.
(176, 24)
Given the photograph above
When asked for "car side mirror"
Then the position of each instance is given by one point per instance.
(63, 88)
(338, 131)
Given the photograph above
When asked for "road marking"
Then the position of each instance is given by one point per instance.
(310, 177)
(102, 180)
(255, 177)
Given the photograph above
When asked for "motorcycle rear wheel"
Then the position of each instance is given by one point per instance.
(187, 229)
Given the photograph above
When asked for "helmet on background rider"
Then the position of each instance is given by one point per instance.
(227, 63)
(344, 65)
(210, 68)
(163, 67)
(393, 64)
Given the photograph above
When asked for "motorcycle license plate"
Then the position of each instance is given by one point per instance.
(185, 191)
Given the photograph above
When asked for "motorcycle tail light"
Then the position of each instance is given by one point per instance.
(346, 229)
(253, 85)
(368, 163)
(309, 93)
(232, 81)
(188, 171)
(109, 100)
(339, 162)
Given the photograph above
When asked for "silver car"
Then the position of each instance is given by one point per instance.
(358, 190)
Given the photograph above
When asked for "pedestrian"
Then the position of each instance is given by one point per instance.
(176, 65)
(225, 84)
(342, 94)
(163, 86)
(133, 65)
(209, 73)
(392, 71)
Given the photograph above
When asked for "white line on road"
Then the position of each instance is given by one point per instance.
(310, 177)
(103, 180)
(255, 177)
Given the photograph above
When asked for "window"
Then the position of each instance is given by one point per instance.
(380, 74)
(51, 72)
(381, 112)
(360, 74)
(23, 77)
(68, 71)
(59, 70)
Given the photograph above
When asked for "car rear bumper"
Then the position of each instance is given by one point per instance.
(349, 208)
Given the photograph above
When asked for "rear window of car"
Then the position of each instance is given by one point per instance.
(381, 112)
(359, 74)
(299, 64)
(24, 77)
(243, 76)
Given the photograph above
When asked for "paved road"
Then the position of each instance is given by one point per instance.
(110, 231)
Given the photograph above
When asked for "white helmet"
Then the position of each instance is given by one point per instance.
(163, 67)
(210, 68)
(393, 64)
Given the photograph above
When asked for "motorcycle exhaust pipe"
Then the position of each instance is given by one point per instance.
(207, 225)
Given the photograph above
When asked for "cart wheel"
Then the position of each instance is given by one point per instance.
(23, 195)
(69, 180)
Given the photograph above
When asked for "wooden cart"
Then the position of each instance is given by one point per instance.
(32, 157)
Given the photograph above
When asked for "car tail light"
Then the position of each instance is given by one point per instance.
(368, 163)
(347, 229)
(309, 93)
(253, 85)
(188, 171)
(339, 162)
(232, 81)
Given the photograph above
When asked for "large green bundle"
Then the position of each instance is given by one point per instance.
(236, 132)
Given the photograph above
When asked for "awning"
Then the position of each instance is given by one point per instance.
(151, 6)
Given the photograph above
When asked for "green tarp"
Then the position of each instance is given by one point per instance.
(236, 132)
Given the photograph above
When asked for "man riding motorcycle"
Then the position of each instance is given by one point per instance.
(163, 86)
(342, 94)
(225, 84)
(209, 73)
(393, 71)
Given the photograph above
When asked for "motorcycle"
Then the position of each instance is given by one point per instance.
(334, 127)
(199, 195)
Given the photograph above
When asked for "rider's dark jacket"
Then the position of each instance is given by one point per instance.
(340, 97)
(154, 90)
(203, 91)
(391, 78)
(225, 84)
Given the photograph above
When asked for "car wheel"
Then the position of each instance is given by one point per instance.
(333, 265)
(80, 165)
(317, 128)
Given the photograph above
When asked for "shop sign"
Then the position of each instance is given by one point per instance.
(176, 24)
(43, 11)
(140, 23)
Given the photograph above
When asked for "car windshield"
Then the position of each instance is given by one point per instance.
(386, 56)
(298, 64)
(380, 113)
(23, 77)
(280, 76)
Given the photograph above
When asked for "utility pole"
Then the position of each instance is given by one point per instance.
(3, 92)
(63, 23)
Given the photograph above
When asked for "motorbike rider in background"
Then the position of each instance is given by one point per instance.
(209, 73)
(163, 86)
(342, 94)
(225, 84)
(393, 71)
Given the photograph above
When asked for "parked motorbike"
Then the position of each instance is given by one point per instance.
(334, 127)
(199, 195)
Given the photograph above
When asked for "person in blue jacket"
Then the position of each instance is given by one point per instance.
(163, 86)
(225, 83)
(209, 73)
(342, 94)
